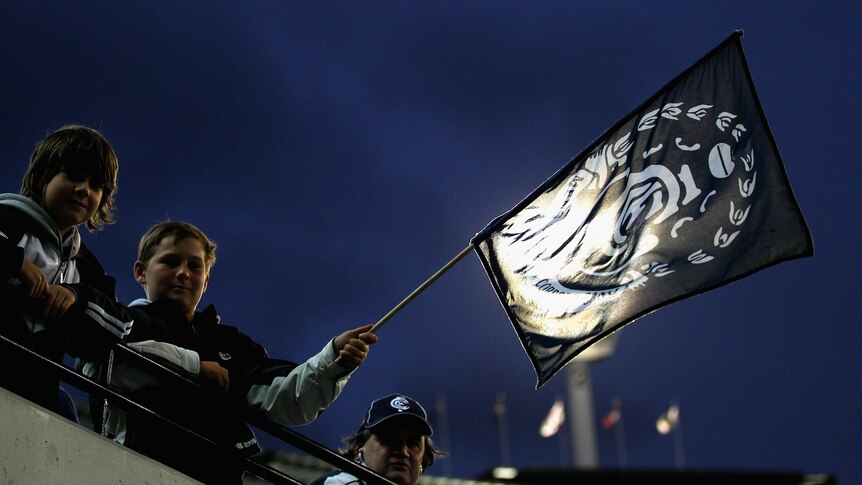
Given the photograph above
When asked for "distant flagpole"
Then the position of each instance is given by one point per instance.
(614, 419)
(503, 429)
(564, 449)
(669, 422)
(442, 413)
(552, 423)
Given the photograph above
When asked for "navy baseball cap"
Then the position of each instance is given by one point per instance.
(396, 405)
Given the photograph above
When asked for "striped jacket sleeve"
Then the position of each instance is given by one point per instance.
(94, 323)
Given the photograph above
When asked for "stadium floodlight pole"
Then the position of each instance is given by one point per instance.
(422, 287)
(579, 388)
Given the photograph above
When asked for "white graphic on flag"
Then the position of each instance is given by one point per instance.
(599, 232)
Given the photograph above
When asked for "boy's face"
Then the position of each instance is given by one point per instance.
(176, 272)
(70, 200)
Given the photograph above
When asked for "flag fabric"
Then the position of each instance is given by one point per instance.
(685, 194)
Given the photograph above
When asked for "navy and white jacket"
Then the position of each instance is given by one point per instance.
(282, 391)
(89, 327)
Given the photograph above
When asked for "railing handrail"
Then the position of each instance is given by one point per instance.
(298, 441)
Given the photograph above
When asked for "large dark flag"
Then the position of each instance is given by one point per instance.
(686, 194)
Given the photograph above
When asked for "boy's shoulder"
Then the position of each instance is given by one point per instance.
(20, 216)
(162, 321)
(14, 223)
(206, 322)
(145, 310)
(228, 335)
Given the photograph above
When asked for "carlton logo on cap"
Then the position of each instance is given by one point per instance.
(400, 404)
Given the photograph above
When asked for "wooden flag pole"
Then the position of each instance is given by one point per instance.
(422, 287)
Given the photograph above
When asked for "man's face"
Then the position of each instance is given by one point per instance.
(70, 199)
(395, 450)
(177, 272)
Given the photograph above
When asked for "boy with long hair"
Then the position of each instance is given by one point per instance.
(55, 297)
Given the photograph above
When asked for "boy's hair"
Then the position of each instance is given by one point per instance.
(76, 150)
(180, 230)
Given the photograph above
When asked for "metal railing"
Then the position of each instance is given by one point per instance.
(110, 397)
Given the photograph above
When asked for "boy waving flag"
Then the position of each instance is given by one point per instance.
(684, 195)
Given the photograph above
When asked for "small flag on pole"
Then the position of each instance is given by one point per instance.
(684, 195)
(555, 418)
(668, 420)
(611, 418)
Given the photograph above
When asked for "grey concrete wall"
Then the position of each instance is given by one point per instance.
(40, 447)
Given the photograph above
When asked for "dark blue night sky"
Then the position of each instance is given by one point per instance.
(341, 152)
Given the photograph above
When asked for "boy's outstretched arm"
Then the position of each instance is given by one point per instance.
(352, 346)
(299, 396)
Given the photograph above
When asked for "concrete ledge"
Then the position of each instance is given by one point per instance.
(38, 446)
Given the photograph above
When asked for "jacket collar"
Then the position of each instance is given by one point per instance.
(165, 309)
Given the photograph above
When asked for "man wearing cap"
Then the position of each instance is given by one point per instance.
(394, 441)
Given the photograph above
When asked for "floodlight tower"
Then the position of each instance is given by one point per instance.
(582, 422)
